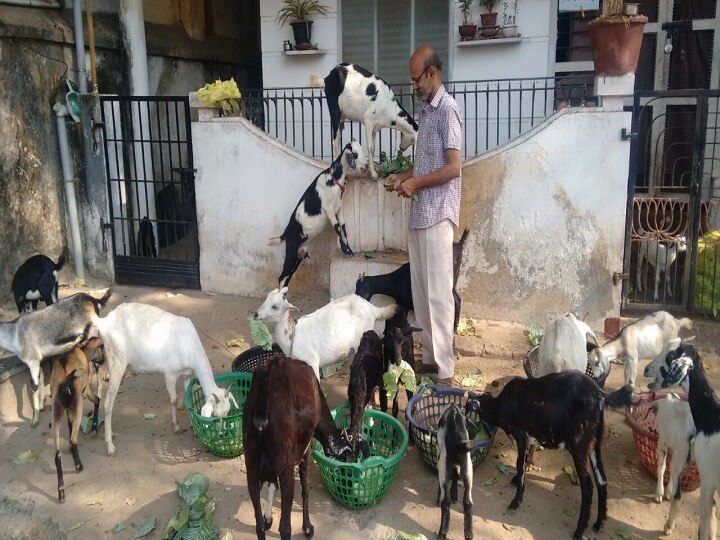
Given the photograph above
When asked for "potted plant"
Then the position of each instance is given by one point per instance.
(297, 13)
(488, 20)
(509, 27)
(467, 29)
(616, 39)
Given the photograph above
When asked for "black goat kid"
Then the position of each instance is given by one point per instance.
(454, 462)
(560, 410)
(36, 279)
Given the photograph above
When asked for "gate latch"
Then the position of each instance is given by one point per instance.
(626, 135)
(617, 277)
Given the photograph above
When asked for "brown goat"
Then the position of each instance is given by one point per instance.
(74, 375)
(284, 409)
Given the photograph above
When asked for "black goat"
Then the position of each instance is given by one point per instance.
(366, 373)
(35, 279)
(284, 409)
(396, 284)
(398, 346)
(560, 410)
(146, 239)
(454, 462)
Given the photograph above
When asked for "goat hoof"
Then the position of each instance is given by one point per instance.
(309, 531)
(658, 499)
(268, 523)
(598, 526)
(35, 419)
(79, 467)
(667, 530)
(61, 496)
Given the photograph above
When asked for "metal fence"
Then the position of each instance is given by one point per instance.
(494, 111)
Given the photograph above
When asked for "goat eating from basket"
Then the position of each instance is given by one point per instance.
(559, 410)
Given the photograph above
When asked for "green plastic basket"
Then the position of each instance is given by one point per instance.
(359, 485)
(220, 436)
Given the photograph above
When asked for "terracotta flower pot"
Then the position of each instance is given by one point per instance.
(616, 45)
(489, 24)
(467, 31)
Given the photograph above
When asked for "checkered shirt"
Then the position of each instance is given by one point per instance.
(440, 127)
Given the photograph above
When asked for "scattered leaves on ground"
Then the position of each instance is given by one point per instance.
(466, 327)
(489, 481)
(235, 342)
(120, 527)
(623, 532)
(570, 511)
(570, 471)
(149, 416)
(505, 469)
(146, 528)
(29, 456)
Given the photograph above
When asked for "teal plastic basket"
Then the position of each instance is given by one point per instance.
(220, 436)
(362, 484)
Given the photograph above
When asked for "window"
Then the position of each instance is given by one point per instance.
(380, 35)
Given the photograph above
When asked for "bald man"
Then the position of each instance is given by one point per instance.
(435, 178)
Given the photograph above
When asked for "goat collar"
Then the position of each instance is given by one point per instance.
(336, 181)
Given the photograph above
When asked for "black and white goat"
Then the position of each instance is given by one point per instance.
(683, 367)
(396, 284)
(75, 375)
(284, 410)
(559, 410)
(321, 202)
(454, 463)
(49, 332)
(355, 94)
(35, 279)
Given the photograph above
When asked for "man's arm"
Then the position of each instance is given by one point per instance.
(444, 174)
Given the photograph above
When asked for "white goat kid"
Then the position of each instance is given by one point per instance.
(154, 341)
(325, 336)
(661, 258)
(353, 93)
(644, 338)
(676, 430)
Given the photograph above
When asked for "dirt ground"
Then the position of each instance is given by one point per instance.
(139, 483)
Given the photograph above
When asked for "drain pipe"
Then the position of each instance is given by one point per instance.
(69, 182)
(79, 46)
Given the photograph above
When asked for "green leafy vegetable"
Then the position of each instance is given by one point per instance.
(194, 520)
(386, 166)
(146, 528)
(535, 334)
(404, 373)
(120, 527)
(505, 469)
(223, 94)
(259, 333)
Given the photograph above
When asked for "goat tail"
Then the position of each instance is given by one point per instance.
(384, 313)
(685, 323)
(461, 243)
(316, 80)
(60, 263)
(621, 398)
(66, 389)
(275, 240)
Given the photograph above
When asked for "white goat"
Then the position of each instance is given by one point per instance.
(353, 93)
(676, 430)
(644, 338)
(564, 346)
(683, 367)
(154, 341)
(325, 336)
(661, 258)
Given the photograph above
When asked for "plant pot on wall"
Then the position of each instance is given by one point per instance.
(489, 24)
(467, 31)
(302, 32)
(616, 44)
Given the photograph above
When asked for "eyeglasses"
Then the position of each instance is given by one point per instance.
(417, 79)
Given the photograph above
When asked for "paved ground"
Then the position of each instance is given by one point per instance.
(139, 483)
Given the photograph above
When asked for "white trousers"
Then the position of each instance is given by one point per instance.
(431, 273)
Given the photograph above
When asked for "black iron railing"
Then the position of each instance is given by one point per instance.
(494, 111)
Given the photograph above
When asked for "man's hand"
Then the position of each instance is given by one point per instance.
(392, 182)
(407, 188)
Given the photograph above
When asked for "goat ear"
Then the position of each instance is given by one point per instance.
(284, 291)
(216, 398)
(232, 398)
(410, 330)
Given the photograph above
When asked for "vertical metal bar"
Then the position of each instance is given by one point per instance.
(632, 173)
(172, 180)
(191, 178)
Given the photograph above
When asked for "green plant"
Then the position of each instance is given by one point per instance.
(299, 11)
(489, 5)
(465, 8)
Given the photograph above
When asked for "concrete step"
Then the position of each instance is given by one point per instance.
(344, 271)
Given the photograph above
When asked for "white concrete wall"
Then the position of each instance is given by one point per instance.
(547, 215)
(246, 186)
(534, 56)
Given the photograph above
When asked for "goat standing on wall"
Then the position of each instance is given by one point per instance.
(321, 202)
(355, 94)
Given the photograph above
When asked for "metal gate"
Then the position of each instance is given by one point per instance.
(673, 215)
(151, 186)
